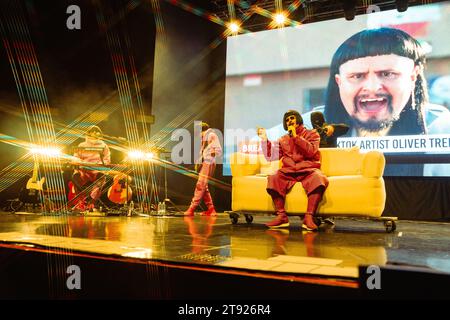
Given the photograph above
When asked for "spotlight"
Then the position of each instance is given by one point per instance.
(45, 151)
(280, 19)
(140, 155)
(234, 27)
(402, 5)
(136, 155)
(349, 9)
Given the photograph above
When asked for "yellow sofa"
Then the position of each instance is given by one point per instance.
(356, 184)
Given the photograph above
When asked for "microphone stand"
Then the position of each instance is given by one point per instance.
(166, 199)
(130, 208)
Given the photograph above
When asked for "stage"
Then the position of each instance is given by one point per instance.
(176, 257)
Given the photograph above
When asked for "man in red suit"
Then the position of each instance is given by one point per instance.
(92, 150)
(300, 156)
(210, 150)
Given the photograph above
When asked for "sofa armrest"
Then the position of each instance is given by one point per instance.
(373, 164)
(244, 164)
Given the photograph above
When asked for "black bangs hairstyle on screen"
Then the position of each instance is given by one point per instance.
(292, 113)
(374, 42)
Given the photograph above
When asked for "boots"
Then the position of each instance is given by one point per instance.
(313, 202)
(281, 221)
(308, 223)
(80, 204)
(210, 212)
(209, 203)
(190, 211)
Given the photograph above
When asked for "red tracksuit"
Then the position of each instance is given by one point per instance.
(210, 150)
(82, 177)
(300, 158)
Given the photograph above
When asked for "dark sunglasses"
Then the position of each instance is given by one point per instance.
(291, 118)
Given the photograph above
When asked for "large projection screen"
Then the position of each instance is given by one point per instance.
(270, 72)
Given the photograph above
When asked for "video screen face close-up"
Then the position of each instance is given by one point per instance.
(386, 76)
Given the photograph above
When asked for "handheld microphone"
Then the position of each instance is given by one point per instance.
(291, 132)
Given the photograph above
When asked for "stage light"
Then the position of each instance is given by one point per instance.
(402, 5)
(234, 27)
(280, 19)
(349, 9)
(140, 155)
(45, 151)
(136, 155)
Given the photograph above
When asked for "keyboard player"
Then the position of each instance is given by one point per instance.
(96, 151)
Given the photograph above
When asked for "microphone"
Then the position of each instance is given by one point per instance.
(291, 131)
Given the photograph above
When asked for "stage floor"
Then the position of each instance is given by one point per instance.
(215, 242)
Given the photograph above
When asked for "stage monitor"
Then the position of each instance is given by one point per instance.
(384, 74)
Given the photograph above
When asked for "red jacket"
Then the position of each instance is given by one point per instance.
(297, 153)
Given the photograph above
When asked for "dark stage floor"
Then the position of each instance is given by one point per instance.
(215, 242)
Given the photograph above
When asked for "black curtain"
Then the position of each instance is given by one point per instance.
(418, 198)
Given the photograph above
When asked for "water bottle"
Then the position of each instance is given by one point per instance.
(159, 208)
(163, 207)
(130, 209)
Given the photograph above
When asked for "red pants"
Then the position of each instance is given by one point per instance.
(83, 178)
(313, 180)
(201, 188)
(282, 182)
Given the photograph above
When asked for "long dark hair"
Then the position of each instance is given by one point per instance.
(373, 42)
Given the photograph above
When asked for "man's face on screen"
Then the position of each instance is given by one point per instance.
(375, 89)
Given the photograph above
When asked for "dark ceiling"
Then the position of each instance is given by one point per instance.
(304, 11)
